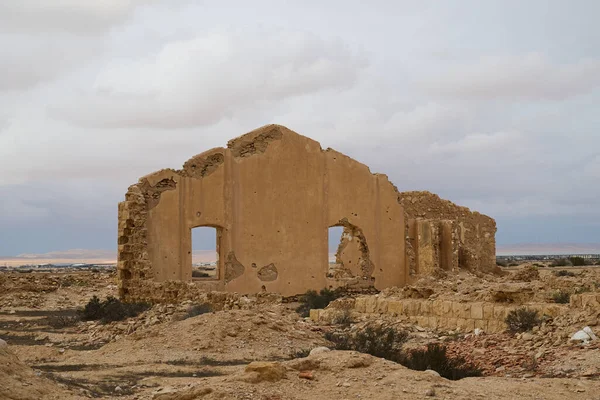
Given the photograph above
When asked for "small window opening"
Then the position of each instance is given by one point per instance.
(205, 253)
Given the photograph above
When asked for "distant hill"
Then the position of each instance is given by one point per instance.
(110, 256)
(552, 248)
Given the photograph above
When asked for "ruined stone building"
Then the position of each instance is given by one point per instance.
(271, 195)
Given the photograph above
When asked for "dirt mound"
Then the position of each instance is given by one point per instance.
(19, 382)
(265, 333)
(346, 374)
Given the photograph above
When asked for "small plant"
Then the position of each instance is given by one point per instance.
(198, 309)
(501, 263)
(62, 321)
(313, 300)
(92, 310)
(111, 309)
(300, 353)
(435, 357)
(199, 274)
(522, 320)
(561, 297)
(530, 364)
(342, 317)
(577, 261)
(563, 272)
(583, 289)
(379, 342)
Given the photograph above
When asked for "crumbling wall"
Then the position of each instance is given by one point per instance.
(464, 238)
(272, 195)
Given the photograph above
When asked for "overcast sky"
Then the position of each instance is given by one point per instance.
(491, 104)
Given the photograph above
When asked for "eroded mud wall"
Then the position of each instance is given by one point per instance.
(272, 195)
(466, 239)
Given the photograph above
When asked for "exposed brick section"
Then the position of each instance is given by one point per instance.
(460, 238)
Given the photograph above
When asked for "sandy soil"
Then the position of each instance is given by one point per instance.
(165, 353)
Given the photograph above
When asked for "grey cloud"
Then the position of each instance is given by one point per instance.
(200, 81)
(27, 62)
(513, 77)
(71, 16)
(506, 125)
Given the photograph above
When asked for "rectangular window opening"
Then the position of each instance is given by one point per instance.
(205, 253)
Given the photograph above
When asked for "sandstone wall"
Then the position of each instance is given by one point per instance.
(446, 235)
(272, 195)
(437, 314)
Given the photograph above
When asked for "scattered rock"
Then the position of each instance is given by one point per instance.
(319, 350)
(192, 393)
(259, 371)
(306, 375)
(433, 373)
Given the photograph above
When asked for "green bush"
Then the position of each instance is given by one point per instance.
(198, 309)
(299, 353)
(387, 343)
(313, 300)
(563, 272)
(111, 309)
(577, 261)
(522, 320)
(435, 357)
(561, 297)
(62, 321)
(379, 342)
(199, 274)
(501, 263)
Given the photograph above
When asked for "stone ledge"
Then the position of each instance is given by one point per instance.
(437, 314)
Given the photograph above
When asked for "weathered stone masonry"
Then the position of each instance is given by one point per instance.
(272, 195)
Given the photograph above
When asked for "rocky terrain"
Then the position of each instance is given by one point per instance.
(258, 347)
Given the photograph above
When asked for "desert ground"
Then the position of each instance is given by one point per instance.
(230, 346)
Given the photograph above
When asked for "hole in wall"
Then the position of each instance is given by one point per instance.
(205, 253)
(349, 258)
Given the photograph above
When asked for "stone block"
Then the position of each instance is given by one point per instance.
(477, 310)
(461, 310)
(447, 309)
(423, 321)
(500, 312)
(589, 300)
(488, 311)
(481, 324)
(314, 315)
(433, 322)
(426, 307)
(442, 323)
(465, 324)
(382, 305)
(370, 304)
(495, 326)
(452, 323)
(437, 308)
(360, 305)
(412, 307)
(395, 307)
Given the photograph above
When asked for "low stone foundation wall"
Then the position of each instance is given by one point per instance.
(437, 314)
(586, 300)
